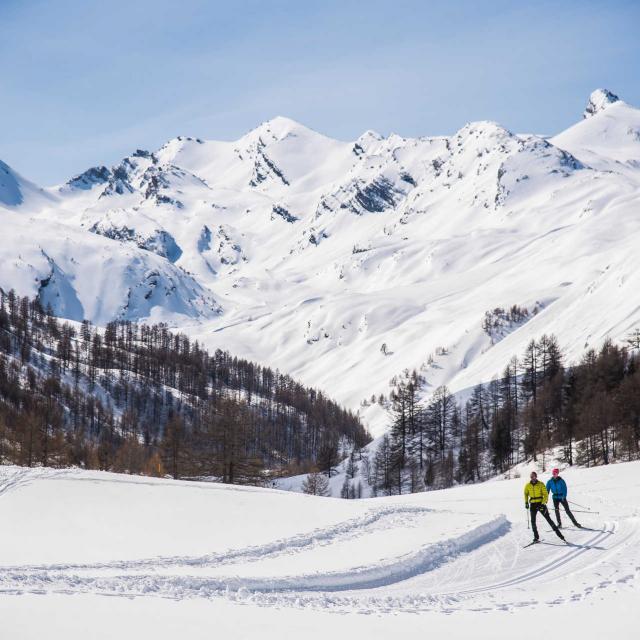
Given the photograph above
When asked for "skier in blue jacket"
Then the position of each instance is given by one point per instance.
(558, 488)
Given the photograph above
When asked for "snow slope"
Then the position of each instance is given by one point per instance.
(310, 254)
(82, 275)
(451, 560)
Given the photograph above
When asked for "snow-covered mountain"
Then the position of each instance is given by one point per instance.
(83, 275)
(309, 253)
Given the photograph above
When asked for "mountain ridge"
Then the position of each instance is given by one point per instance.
(311, 253)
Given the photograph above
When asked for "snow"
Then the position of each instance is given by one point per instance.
(382, 240)
(84, 275)
(10, 193)
(184, 557)
(609, 139)
(109, 618)
(599, 100)
(16, 190)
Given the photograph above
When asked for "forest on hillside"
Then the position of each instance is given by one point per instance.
(143, 399)
(590, 410)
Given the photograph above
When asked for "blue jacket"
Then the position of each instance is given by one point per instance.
(558, 487)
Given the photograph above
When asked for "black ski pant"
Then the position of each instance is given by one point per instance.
(565, 504)
(534, 507)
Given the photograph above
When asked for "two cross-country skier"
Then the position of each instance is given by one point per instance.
(535, 499)
(558, 488)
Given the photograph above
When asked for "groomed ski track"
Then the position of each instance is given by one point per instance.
(449, 550)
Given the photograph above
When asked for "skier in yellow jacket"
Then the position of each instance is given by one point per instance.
(535, 499)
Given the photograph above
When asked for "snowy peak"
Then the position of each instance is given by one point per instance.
(599, 100)
(608, 137)
(483, 130)
(279, 128)
(10, 192)
(126, 176)
(370, 136)
(90, 178)
(368, 141)
(174, 147)
(20, 193)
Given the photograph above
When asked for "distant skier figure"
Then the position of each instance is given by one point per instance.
(535, 499)
(558, 488)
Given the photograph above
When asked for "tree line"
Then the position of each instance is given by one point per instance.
(591, 411)
(143, 399)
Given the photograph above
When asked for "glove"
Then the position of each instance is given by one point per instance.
(526, 506)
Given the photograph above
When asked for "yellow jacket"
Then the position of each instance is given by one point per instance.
(535, 493)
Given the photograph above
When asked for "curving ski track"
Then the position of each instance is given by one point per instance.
(286, 546)
(361, 588)
(484, 568)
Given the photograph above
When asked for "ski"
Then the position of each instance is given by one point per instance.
(559, 543)
(531, 544)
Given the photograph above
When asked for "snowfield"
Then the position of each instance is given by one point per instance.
(194, 559)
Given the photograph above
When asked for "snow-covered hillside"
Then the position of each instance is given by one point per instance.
(189, 557)
(82, 275)
(310, 254)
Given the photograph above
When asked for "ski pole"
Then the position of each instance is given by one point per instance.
(578, 511)
(528, 527)
(577, 505)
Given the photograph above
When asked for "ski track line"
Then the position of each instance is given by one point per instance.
(344, 530)
(359, 578)
(24, 476)
(547, 568)
(608, 551)
(12, 481)
(539, 571)
(468, 567)
(447, 600)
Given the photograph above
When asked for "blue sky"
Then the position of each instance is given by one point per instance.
(86, 82)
